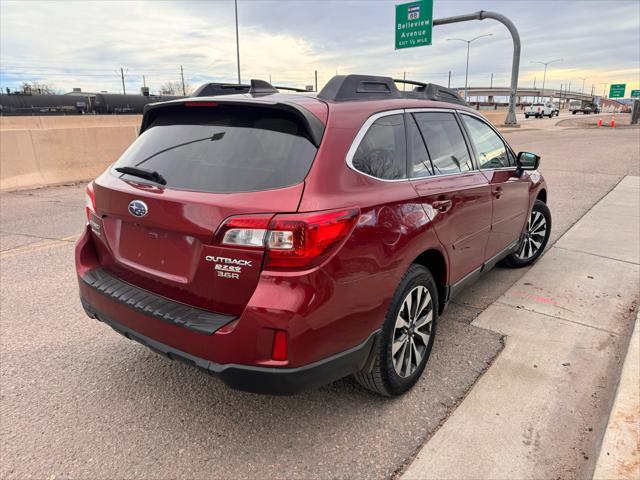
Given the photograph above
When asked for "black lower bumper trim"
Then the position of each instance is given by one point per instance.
(148, 303)
(265, 380)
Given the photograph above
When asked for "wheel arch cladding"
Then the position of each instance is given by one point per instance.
(542, 196)
(435, 262)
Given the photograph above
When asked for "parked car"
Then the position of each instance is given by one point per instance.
(540, 110)
(284, 241)
(578, 106)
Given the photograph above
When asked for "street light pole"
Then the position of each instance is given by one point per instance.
(583, 79)
(237, 42)
(544, 78)
(466, 74)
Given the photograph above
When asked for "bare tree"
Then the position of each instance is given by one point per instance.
(38, 88)
(174, 88)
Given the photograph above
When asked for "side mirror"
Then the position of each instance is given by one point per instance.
(527, 161)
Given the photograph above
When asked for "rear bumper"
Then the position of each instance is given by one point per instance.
(265, 380)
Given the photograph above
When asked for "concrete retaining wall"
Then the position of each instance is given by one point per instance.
(46, 150)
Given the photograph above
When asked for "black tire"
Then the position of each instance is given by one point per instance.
(573, 113)
(526, 116)
(380, 375)
(520, 257)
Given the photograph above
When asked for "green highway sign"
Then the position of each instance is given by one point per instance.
(635, 93)
(413, 24)
(617, 90)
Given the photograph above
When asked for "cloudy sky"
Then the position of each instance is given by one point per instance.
(84, 43)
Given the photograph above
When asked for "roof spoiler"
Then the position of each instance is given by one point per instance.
(344, 88)
(312, 124)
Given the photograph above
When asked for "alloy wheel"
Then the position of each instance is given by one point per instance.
(412, 331)
(533, 236)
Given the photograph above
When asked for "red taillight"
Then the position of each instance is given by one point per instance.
(279, 346)
(89, 201)
(304, 240)
(292, 241)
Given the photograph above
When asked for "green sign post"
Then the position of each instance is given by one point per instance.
(617, 90)
(413, 24)
(635, 93)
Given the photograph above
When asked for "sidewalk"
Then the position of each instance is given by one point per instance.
(541, 410)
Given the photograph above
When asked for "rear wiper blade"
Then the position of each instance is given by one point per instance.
(143, 173)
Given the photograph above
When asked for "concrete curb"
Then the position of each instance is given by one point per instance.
(620, 453)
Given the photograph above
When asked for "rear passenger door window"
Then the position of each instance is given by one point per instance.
(445, 142)
(491, 151)
(382, 153)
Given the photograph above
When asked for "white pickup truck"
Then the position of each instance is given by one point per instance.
(540, 110)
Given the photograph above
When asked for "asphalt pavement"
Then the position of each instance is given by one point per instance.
(78, 400)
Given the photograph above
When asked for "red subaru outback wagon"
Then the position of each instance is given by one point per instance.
(284, 241)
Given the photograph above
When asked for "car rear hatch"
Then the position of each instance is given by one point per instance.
(219, 160)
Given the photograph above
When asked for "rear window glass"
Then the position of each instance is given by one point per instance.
(223, 149)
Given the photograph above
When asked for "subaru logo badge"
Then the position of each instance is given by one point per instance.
(138, 208)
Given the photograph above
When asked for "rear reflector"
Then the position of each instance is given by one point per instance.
(89, 201)
(279, 345)
(292, 241)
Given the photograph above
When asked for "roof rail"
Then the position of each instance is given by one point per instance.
(344, 88)
(213, 89)
(257, 87)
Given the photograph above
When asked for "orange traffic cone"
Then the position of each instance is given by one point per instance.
(599, 122)
(613, 121)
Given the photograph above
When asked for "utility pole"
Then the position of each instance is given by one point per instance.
(560, 98)
(237, 42)
(449, 84)
(491, 84)
(124, 89)
(144, 81)
(604, 91)
(184, 91)
(466, 75)
(592, 89)
(316, 80)
(404, 77)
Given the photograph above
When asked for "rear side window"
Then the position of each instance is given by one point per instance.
(490, 149)
(382, 153)
(223, 149)
(445, 142)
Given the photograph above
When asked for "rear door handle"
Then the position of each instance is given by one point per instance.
(442, 205)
